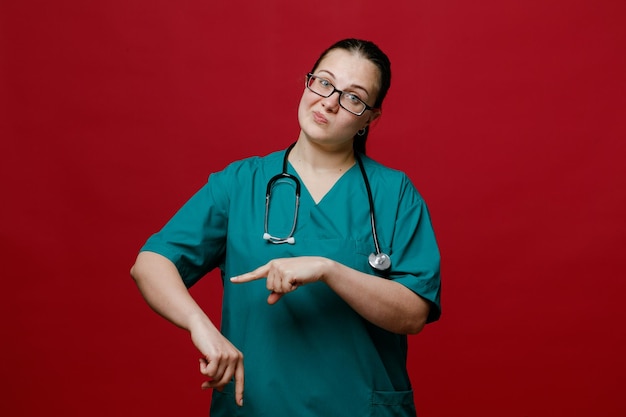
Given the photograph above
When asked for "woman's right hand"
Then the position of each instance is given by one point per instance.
(221, 360)
(162, 287)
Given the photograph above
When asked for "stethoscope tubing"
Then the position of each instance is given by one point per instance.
(377, 260)
(370, 200)
(268, 193)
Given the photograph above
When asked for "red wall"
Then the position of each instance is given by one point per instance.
(510, 117)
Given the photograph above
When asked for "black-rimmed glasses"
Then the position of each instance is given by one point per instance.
(348, 101)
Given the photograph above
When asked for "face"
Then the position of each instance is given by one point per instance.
(321, 119)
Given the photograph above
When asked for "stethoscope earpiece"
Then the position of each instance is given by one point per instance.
(290, 239)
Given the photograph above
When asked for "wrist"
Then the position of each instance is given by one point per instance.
(199, 321)
(328, 267)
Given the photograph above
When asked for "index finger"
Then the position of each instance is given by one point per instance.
(260, 272)
(239, 383)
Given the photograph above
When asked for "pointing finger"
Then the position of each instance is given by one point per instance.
(260, 272)
(239, 384)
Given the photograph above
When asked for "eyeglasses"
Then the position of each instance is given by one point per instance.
(348, 101)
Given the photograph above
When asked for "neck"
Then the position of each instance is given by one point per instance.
(312, 156)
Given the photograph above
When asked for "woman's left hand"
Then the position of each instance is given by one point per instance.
(286, 274)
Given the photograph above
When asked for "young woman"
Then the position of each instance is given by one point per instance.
(328, 261)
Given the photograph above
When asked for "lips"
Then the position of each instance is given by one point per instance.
(319, 118)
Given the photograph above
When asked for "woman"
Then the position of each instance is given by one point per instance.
(323, 332)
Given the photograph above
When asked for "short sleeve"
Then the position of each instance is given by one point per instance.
(415, 255)
(194, 239)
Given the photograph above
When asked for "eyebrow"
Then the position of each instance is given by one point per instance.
(351, 86)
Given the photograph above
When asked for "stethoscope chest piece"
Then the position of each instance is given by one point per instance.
(380, 261)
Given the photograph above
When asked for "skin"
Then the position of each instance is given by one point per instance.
(324, 151)
(321, 155)
(322, 122)
(161, 285)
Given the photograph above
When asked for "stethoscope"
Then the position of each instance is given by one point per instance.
(377, 260)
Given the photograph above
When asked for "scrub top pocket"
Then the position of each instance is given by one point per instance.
(392, 404)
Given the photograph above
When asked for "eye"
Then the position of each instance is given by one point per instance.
(353, 98)
(323, 82)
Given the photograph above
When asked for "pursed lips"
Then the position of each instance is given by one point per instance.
(319, 118)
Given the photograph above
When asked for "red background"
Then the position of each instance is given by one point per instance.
(509, 116)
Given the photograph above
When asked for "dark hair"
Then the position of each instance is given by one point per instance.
(370, 51)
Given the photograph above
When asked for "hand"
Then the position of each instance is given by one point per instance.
(287, 274)
(221, 360)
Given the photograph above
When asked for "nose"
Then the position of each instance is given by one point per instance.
(331, 103)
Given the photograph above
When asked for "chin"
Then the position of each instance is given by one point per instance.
(329, 143)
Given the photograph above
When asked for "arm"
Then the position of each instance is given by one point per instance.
(162, 287)
(383, 302)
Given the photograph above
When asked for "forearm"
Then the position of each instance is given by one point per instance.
(162, 287)
(160, 284)
(383, 302)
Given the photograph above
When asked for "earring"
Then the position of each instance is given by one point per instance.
(362, 131)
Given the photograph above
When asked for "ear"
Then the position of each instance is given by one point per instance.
(375, 114)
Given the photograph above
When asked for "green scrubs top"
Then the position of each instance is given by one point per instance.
(309, 355)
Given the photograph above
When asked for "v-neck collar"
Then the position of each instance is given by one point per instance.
(305, 190)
